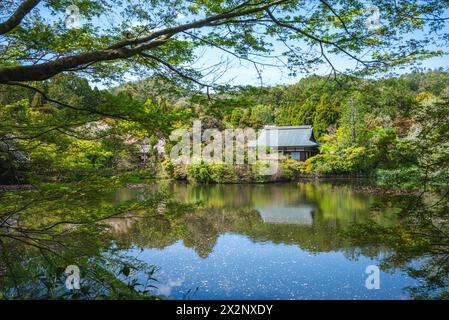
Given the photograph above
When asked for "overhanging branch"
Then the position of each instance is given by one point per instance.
(24, 8)
(123, 49)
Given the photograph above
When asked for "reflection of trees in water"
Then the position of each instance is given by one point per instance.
(331, 198)
(232, 209)
(420, 238)
(419, 243)
(43, 231)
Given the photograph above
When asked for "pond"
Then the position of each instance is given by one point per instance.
(274, 241)
(307, 240)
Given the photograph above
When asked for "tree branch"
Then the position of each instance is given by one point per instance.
(175, 70)
(120, 50)
(337, 16)
(24, 8)
(315, 38)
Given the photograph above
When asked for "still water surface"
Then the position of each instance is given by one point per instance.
(277, 241)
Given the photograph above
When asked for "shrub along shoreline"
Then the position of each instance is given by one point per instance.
(219, 173)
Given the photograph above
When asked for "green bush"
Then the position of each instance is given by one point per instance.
(350, 160)
(168, 167)
(355, 159)
(177, 172)
(223, 173)
(326, 163)
(290, 169)
(404, 178)
(211, 173)
(226, 173)
(200, 172)
(256, 169)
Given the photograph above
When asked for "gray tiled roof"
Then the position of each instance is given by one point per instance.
(290, 136)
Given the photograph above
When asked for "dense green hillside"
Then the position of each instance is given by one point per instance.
(363, 125)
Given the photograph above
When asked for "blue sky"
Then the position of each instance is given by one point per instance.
(240, 72)
(243, 72)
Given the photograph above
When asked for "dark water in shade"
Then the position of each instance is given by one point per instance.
(279, 241)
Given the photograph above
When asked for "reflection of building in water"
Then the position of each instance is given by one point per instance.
(301, 214)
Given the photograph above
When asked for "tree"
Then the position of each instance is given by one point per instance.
(165, 35)
(422, 234)
(305, 114)
(325, 115)
(236, 116)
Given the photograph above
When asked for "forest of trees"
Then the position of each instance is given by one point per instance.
(364, 126)
(56, 126)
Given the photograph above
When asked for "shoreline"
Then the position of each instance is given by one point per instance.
(362, 184)
(12, 187)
